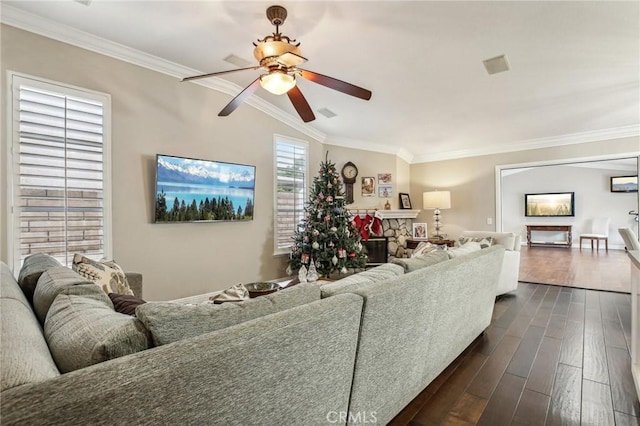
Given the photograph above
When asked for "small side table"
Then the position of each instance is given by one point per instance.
(448, 243)
(412, 244)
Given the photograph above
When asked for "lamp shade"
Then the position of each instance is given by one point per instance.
(436, 200)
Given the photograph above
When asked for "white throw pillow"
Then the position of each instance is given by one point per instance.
(422, 249)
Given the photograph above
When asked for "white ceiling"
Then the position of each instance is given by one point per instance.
(575, 73)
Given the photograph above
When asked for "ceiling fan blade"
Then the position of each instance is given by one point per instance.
(240, 98)
(300, 104)
(335, 84)
(211, 74)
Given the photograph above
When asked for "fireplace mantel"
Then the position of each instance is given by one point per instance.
(388, 214)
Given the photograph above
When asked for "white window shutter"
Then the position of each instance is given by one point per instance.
(291, 170)
(59, 167)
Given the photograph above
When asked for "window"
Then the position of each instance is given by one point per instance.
(290, 189)
(60, 191)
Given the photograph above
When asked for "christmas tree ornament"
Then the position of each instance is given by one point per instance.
(315, 245)
(343, 270)
(305, 258)
(302, 274)
(334, 260)
(312, 274)
(342, 253)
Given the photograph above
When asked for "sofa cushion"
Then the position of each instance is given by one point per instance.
(419, 262)
(106, 274)
(172, 321)
(32, 267)
(83, 329)
(50, 284)
(24, 354)
(9, 288)
(379, 273)
(466, 248)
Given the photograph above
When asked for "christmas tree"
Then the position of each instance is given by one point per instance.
(327, 236)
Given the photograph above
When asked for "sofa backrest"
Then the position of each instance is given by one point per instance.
(414, 325)
(172, 321)
(291, 367)
(24, 354)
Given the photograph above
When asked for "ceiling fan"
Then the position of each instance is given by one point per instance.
(280, 57)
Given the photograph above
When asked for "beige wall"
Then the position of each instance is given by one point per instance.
(370, 164)
(155, 113)
(472, 180)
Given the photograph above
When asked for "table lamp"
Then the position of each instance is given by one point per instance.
(436, 200)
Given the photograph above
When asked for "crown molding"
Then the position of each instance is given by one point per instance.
(550, 142)
(18, 18)
(373, 147)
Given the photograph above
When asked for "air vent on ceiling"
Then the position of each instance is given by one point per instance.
(327, 112)
(497, 64)
(237, 61)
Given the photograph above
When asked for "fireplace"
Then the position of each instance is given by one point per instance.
(376, 249)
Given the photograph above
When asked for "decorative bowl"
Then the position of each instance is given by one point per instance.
(261, 288)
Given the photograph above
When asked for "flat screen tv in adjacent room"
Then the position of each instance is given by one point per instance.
(624, 183)
(549, 204)
(190, 190)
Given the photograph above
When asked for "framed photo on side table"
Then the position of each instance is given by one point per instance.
(405, 201)
(419, 232)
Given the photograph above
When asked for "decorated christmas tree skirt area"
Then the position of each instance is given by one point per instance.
(327, 241)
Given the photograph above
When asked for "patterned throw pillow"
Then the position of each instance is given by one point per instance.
(485, 242)
(108, 275)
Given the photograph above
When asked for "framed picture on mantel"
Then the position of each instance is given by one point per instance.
(405, 201)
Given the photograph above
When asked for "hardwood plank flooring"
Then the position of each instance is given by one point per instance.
(552, 356)
(576, 268)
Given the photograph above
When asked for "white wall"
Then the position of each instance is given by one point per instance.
(592, 199)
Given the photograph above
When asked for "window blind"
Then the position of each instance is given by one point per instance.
(291, 190)
(60, 174)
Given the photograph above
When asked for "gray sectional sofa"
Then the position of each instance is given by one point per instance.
(355, 351)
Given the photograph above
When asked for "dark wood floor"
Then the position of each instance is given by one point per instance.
(586, 268)
(552, 355)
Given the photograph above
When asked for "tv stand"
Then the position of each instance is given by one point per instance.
(550, 228)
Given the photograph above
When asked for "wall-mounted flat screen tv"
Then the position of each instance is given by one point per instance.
(549, 204)
(624, 183)
(189, 190)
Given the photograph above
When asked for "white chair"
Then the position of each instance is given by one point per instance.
(630, 239)
(599, 231)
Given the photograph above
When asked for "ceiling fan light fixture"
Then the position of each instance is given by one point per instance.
(277, 82)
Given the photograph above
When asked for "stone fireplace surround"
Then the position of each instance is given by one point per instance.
(396, 226)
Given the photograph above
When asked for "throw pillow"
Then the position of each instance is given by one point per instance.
(485, 242)
(34, 265)
(82, 329)
(125, 304)
(423, 248)
(108, 275)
